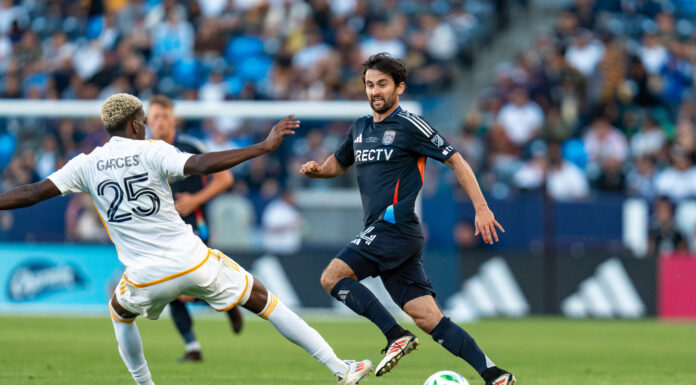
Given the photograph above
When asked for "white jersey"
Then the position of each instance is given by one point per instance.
(127, 180)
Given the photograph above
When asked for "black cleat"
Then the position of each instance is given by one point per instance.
(503, 377)
(192, 356)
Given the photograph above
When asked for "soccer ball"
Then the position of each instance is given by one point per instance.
(446, 377)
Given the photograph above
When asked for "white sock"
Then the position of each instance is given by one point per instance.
(292, 327)
(131, 349)
(194, 346)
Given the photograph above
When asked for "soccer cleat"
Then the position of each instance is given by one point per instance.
(192, 356)
(505, 378)
(356, 371)
(395, 350)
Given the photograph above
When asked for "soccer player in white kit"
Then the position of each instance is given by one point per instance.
(127, 179)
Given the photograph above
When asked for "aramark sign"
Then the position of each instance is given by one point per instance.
(57, 277)
(38, 277)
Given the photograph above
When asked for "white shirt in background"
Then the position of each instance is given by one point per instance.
(521, 123)
(282, 228)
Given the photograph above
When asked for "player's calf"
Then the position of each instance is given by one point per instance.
(130, 346)
(292, 327)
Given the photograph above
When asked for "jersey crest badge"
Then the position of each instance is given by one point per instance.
(388, 137)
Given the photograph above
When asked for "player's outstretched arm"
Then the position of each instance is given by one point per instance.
(28, 194)
(484, 222)
(330, 169)
(213, 162)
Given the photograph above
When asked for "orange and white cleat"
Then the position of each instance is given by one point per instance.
(395, 350)
(505, 378)
(356, 371)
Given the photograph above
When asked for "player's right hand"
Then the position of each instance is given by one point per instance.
(282, 129)
(311, 169)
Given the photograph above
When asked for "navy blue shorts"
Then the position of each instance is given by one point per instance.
(403, 283)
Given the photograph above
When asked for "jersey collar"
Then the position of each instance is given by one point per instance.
(398, 109)
(118, 139)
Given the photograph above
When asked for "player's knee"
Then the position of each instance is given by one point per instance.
(120, 310)
(328, 280)
(427, 323)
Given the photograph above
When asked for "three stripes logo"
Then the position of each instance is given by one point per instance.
(418, 122)
(397, 346)
(358, 139)
(493, 291)
(608, 293)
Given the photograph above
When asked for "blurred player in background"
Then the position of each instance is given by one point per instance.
(389, 149)
(128, 180)
(190, 197)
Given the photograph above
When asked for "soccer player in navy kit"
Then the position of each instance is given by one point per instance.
(190, 197)
(389, 149)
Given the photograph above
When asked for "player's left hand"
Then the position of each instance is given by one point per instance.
(185, 204)
(283, 128)
(485, 225)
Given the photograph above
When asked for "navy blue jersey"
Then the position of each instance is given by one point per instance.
(390, 160)
(192, 183)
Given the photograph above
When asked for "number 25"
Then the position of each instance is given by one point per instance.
(132, 195)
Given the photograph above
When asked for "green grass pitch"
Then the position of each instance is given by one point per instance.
(540, 351)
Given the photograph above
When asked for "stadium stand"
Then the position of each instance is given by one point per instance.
(217, 50)
(603, 104)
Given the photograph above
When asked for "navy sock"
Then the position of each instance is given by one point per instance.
(361, 300)
(182, 320)
(460, 343)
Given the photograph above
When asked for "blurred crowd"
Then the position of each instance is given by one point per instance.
(231, 49)
(603, 103)
(213, 50)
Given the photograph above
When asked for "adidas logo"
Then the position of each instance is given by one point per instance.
(358, 139)
(376, 286)
(492, 292)
(608, 293)
(342, 294)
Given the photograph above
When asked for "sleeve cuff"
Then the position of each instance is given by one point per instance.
(341, 161)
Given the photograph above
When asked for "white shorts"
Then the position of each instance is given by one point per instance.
(218, 280)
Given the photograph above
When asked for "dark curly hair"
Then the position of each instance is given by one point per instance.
(383, 62)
